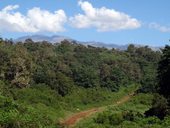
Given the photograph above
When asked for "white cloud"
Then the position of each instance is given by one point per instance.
(10, 7)
(36, 20)
(159, 27)
(103, 19)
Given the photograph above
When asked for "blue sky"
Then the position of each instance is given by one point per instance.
(112, 21)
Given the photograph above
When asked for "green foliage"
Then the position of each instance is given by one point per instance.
(113, 118)
(16, 116)
(164, 72)
(85, 77)
(40, 82)
(63, 85)
(128, 115)
(159, 107)
(109, 118)
(148, 62)
(23, 64)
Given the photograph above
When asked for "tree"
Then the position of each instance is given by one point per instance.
(160, 104)
(164, 72)
(64, 84)
(159, 107)
(131, 49)
(85, 77)
(19, 67)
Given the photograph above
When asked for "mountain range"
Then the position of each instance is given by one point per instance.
(58, 39)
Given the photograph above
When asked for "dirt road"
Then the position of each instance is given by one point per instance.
(72, 120)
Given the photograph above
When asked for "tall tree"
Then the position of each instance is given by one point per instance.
(164, 72)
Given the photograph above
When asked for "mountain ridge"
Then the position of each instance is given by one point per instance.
(59, 39)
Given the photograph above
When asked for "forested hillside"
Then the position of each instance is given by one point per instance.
(145, 110)
(42, 82)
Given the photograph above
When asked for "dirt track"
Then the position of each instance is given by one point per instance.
(72, 120)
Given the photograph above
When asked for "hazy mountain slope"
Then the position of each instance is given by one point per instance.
(58, 39)
(39, 38)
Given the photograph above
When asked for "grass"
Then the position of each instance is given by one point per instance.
(117, 97)
(40, 102)
(138, 104)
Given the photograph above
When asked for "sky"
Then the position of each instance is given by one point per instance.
(145, 22)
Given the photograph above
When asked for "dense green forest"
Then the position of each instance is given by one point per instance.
(40, 83)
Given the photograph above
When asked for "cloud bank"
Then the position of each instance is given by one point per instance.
(103, 19)
(36, 20)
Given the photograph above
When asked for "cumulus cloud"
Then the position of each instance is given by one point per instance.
(159, 27)
(103, 19)
(36, 20)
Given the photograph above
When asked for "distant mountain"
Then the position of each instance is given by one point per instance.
(58, 39)
(38, 38)
(109, 46)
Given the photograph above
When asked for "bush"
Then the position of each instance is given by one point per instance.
(129, 115)
(159, 107)
(109, 118)
(13, 115)
(116, 118)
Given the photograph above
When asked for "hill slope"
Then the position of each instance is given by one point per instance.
(41, 82)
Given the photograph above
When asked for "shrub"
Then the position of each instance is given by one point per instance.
(109, 118)
(159, 107)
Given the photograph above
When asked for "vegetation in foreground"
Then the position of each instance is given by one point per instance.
(128, 115)
(40, 83)
(144, 110)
